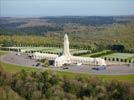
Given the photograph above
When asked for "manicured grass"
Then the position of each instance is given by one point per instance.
(47, 49)
(97, 53)
(126, 78)
(120, 55)
(113, 55)
(15, 68)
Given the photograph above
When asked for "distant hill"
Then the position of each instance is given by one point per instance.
(95, 33)
(46, 25)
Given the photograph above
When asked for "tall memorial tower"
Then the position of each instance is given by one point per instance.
(66, 52)
(67, 58)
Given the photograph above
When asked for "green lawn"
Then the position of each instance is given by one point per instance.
(47, 49)
(15, 68)
(120, 55)
(113, 55)
(126, 78)
(91, 54)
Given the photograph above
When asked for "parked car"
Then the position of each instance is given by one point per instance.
(37, 64)
(99, 68)
(65, 68)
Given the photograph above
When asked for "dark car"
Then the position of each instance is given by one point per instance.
(99, 68)
(37, 64)
(65, 68)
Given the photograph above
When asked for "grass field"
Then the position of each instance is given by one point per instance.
(127, 78)
(97, 54)
(120, 55)
(128, 56)
(46, 49)
(14, 68)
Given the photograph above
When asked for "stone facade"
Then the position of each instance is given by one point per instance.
(67, 58)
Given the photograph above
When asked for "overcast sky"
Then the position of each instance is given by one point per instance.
(39, 8)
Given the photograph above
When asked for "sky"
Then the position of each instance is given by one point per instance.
(41, 8)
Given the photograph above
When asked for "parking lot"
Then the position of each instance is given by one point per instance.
(24, 60)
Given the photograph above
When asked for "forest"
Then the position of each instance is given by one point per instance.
(93, 32)
(48, 85)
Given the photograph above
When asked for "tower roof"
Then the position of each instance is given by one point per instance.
(65, 36)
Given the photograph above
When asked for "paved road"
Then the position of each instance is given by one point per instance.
(110, 70)
(21, 60)
(24, 60)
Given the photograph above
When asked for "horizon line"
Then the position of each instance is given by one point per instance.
(64, 16)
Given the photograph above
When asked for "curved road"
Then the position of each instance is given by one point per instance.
(24, 60)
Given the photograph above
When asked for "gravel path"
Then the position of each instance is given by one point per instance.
(24, 60)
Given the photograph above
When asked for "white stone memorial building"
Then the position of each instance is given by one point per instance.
(67, 58)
